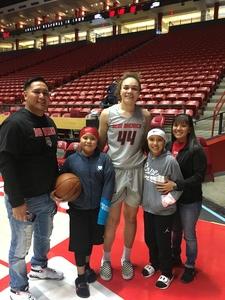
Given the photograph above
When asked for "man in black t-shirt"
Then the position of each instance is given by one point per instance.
(28, 144)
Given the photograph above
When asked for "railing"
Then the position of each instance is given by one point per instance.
(221, 123)
(216, 112)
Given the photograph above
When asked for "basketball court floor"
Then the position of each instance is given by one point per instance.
(209, 283)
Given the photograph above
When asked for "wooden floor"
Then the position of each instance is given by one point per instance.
(209, 283)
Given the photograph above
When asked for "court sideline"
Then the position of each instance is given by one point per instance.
(209, 284)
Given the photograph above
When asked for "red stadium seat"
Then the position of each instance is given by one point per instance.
(178, 90)
(6, 113)
(204, 89)
(156, 111)
(209, 83)
(179, 102)
(195, 83)
(184, 96)
(66, 115)
(165, 102)
(171, 97)
(157, 121)
(173, 84)
(72, 148)
(75, 113)
(155, 91)
(190, 89)
(166, 90)
(159, 97)
(147, 97)
(194, 103)
(189, 112)
(184, 84)
(151, 102)
(140, 102)
(61, 150)
(56, 114)
(198, 97)
(171, 111)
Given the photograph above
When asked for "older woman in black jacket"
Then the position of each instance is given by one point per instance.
(193, 163)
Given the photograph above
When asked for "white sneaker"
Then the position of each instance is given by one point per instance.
(21, 295)
(45, 273)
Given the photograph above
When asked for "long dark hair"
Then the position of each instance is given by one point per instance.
(192, 140)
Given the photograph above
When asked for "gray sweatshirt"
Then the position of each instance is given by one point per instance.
(163, 165)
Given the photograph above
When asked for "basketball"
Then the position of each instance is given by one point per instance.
(68, 187)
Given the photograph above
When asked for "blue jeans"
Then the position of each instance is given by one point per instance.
(21, 236)
(185, 223)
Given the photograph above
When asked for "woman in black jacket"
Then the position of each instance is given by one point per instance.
(193, 163)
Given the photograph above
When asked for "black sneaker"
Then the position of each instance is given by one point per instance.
(90, 275)
(82, 288)
(188, 275)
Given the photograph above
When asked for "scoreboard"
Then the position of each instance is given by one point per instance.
(111, 13)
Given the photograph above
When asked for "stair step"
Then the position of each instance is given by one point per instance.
(204, 133)
(210, 106)
(214, 99)
(207, 113)
(219, 91)
(204, 127)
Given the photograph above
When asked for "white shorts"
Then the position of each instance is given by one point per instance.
(129, 186)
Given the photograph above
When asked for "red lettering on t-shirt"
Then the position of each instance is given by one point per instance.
(38, 132)
(117, 125)
(132, 125)
(48, 131)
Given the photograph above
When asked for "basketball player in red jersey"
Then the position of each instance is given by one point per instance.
(124, 127)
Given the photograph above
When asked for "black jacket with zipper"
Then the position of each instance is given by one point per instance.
(193, 165)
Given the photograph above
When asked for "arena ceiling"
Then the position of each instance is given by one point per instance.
(13, 11)
(25, 11)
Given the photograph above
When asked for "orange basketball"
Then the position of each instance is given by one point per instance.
(68, 187)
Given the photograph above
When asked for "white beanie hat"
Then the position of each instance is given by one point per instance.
(157, 131)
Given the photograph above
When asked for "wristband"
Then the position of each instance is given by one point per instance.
(103, 211)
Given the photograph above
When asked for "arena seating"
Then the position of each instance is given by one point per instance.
(175, 79)
(61, 151)
(186, 82)
(158, 121)
(63, 65)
